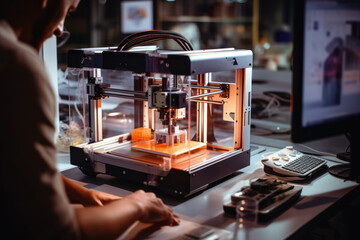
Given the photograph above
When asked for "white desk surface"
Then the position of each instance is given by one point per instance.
(206, 207)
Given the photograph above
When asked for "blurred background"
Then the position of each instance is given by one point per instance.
(260, 25)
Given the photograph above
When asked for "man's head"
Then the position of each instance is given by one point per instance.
(37, 20)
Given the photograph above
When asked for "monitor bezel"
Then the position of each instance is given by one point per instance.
(300, 133)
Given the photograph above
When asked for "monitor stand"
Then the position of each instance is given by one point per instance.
(350, 171)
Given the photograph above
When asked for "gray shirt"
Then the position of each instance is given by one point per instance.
(34, 204)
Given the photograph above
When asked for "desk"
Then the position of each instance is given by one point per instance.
(319, 198)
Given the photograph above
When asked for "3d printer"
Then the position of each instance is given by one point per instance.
(187, 131)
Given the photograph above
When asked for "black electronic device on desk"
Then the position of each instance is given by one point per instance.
(272, 197)
(292, 165)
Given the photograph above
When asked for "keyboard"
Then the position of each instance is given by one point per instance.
(303, 164)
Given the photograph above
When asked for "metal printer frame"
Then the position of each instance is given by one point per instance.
(187, 165)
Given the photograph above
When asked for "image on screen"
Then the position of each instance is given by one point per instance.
(331, 72)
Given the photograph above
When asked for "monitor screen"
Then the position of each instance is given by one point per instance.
(326, 68)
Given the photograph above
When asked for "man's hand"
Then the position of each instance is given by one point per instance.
(152, 209)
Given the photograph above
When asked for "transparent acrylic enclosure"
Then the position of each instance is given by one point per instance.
(154, 122)
(72, 127)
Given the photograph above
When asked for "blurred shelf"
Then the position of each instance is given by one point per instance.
(219, 24)
(206, 19)
(273, 76)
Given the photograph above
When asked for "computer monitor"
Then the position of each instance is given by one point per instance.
(326, 75)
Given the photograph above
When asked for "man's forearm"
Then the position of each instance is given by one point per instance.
(75, 192)
(87, 197)
(107, 222)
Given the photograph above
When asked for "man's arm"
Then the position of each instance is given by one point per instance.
(87, 197)
(111, 220)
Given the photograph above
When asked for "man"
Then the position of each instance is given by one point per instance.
(35, 198)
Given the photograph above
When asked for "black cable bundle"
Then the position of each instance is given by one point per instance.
(148, 37)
